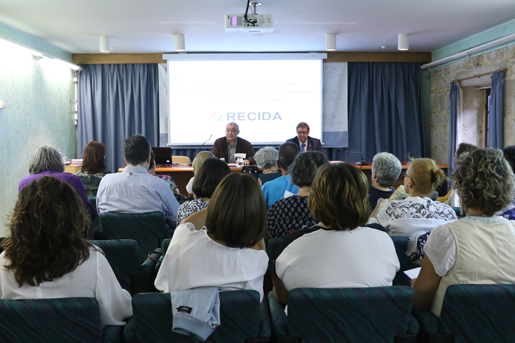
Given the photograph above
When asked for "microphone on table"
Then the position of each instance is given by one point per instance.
(359, 163)
(200, 147)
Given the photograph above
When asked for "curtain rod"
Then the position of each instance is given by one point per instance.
(479, 75)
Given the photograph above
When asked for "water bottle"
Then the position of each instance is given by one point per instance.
(63, 156)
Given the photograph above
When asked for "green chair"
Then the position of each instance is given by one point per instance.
(133, 276)
(242, 319)
(148, 229)
(340, 315)
(55, 320)
(472, 313)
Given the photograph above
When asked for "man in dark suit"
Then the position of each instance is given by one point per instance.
(226, 147)
(304, 141)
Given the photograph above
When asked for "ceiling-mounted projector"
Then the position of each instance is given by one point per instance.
(256, 23)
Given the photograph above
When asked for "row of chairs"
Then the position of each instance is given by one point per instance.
(470, 313)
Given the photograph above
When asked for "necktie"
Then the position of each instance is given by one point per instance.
(303, 147)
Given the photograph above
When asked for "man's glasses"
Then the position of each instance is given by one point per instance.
(303, 132)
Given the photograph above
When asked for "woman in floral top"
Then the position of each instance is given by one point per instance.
(93, 167)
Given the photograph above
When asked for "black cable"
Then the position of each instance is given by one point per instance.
(245, 15)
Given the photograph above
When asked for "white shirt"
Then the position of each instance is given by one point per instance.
(413, 215)
(136, 191)
(93, 278)
(362, 257)
(193, 260)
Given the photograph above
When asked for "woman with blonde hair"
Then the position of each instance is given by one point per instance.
(418, 213)
(339, 251)
(196, 164)
(477, 249)
(46, 257)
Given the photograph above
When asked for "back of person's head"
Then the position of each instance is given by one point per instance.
(46, 226)
(465, 147)
(287, 154)
(305, 166)
(237, 212)
(45, 158)
(200, 159)
(339, 196)
(426, 175)
(387, 168)
(137, 149)
(509, 155)
(209, 176)
(93, 159)
(267, 157)
(484, 180)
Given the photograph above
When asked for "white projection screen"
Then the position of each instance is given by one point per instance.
(266, 94)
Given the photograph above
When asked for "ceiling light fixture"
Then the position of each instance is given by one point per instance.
(330, 42)
(179, 42)
(403, 43)
(105, 44)
(21, 48)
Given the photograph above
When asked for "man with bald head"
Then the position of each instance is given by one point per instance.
(226, 147)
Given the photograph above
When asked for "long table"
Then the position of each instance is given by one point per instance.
(182, 174)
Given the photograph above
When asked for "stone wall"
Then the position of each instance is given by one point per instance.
(440, 79)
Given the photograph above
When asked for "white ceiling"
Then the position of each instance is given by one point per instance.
(147, 26)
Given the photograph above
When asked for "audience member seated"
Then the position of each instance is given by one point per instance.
(452, 198)
(267, 158)
(509, 211)
(230, 253)
(134, 190)
(477, 249)
(93, 167)
(293, 213)
(47, 161)
(386, 169)
(418, 213)
(275, 190)
(339, 251)
(196, 164)
(211, 173)
(167, 178)
(45, 256)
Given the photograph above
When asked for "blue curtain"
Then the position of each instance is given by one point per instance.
(453, 119)
(385, 110)
(115, 102)
(495, 118)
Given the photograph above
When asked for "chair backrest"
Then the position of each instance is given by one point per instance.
(148, 229)
(349, 314)
(50, 320)
(479, 313)
(181, 159)
(93, 201)
(123, 256)
(239, 318)
(401, 246)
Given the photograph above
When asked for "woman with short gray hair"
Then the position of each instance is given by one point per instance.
(386, 169)
(267, 158)
(47, 161)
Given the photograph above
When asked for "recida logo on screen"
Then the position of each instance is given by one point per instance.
(243, 116)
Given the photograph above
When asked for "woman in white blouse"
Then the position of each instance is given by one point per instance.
(477, 249)
(46, 257)
(230, 252)
(418, 213)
